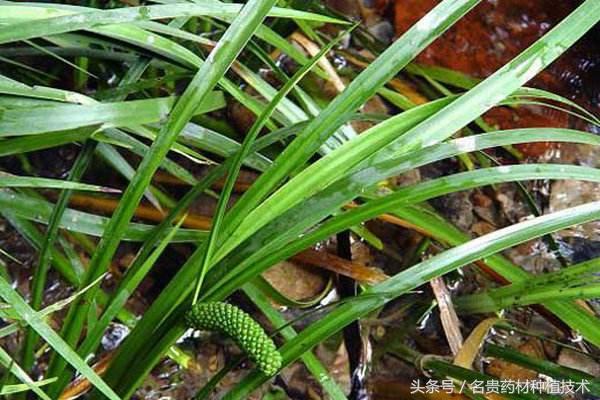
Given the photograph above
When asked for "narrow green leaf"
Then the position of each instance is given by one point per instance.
(53, 339)
(25, 144)
(545, 367)
(44, 20)
(43, 265)
(241, 155)
(576, 282)
(211, 71)
(7, 390)
(15, 181)
(82, 222)
(71, 116)
(329, 120)
(434, 129)
(124, 291)
(29, 384)
(239, 274)
(419, 274)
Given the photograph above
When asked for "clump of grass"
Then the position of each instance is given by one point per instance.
(312, 165)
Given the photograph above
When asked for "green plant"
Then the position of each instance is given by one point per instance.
(310, 159)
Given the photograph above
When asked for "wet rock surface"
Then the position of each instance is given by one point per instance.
(493, 33)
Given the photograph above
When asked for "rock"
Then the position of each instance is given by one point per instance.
(534, 257)
(572, 359)
(484, 208)
(511, 205)
(375, 105)
(481, 228)
(457, 207)
(382, 31)
(506, 370)
(568, 193)
(350, 8)
(295, 281)
(114, 336)
(579, 249)
(408, 178)
(492, 34)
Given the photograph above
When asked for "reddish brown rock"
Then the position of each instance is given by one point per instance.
(493, 33)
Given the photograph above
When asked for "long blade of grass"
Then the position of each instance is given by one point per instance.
(7, 390)
(460, 80)
(121, 139)
(71, 116)
(491, 302)
(122, 166)
(41, 272)
(401, 198)
(420, 274)
(313, 210)
(29, 384)
(52, 338)
(230, 45)
(578, 318)
(124, 291)
(330, 119)
(44, 20)
(289, 109)
(242, 153)
(436, 128)
(77, 221)
(208, 140)
(34, 237)
(545, 367)
(564, 283)
(25, 144)
(15, 181)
